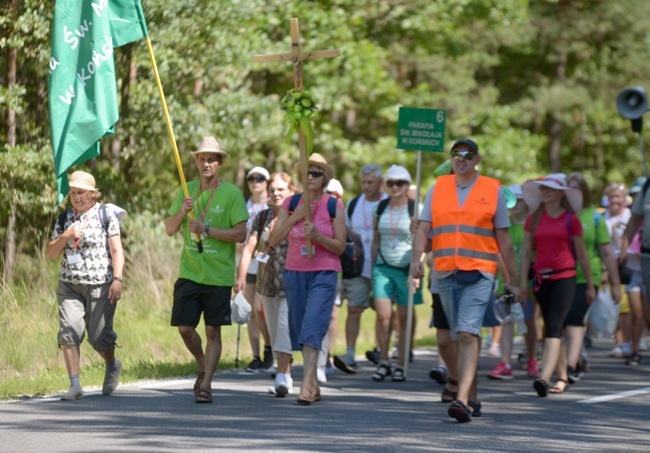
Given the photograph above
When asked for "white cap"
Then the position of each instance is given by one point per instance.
(516, 189)
(398, 173)
(259, 170)
(335, 186)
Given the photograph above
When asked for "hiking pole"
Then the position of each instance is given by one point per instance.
(237, 350)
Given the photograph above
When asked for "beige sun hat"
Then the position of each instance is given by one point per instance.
(556, 181)
(209, 145)
(83, 180)
(318, 161)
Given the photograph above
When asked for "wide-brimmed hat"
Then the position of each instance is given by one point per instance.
(83, 180)
(557, 181)
(209, 145)
(260, 171)
(318, 161)
(398, 173)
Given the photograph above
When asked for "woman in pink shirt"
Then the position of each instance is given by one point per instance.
(310, 282)
(554, 231)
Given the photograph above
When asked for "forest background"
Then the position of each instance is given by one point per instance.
(533, 82)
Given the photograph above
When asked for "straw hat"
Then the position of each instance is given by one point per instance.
(209, 145)
(84, 181)
(557, 181)
(318, 161)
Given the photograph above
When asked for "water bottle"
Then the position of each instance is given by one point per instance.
(518, 318)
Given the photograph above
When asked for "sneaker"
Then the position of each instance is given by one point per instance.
(271, 371)
(501, 371)
(574, 374)
(329, 369)
(634, 359)
(267, 363)
(255, 365)
(72, 394)
(283, 385)
(627, 349)
(374, 356)
(395, 354)
(643, 344)
(321, 377)
(495, 350)
(345, 363)
(532, 369)
(112, 378)
(439, 374)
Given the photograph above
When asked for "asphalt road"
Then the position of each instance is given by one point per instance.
(607, 411)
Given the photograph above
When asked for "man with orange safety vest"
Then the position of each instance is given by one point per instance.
(467, 218)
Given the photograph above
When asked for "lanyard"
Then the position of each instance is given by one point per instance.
(207, 205)
(395, 227)
(366, 226)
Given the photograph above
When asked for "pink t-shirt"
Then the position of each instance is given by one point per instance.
(552, 247)
(322, 259)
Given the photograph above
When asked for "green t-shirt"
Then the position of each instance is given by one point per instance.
(593, 237)
(517, 237)
(216, 265)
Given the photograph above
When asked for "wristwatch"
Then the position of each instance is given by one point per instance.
(119, 279)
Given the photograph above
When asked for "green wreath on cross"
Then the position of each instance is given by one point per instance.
(299, 108)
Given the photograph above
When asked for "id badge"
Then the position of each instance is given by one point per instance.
(303, 250)
(74, 258)
(262, 257)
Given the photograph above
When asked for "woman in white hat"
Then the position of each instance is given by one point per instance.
(310, 283)
(90, 281)
(554, 232)
(391, 258)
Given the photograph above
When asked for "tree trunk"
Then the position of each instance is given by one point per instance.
(10, 239)
(556, 127)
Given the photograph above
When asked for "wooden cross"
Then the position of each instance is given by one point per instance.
(297, 57)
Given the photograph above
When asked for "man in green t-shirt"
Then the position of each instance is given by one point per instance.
(206, 277)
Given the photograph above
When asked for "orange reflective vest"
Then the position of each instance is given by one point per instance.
(464, 237)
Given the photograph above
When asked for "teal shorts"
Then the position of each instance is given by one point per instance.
(392, 283)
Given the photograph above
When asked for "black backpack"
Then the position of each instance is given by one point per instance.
(102, 214)
(352, 256)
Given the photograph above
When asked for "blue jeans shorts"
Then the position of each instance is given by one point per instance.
(465, 304)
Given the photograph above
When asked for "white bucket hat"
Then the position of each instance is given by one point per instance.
(398, 173)
(209, 145)
(557, 181)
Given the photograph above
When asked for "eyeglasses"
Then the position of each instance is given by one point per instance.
(396, 183)
(316, 174)
(254, 178)
(465, 154)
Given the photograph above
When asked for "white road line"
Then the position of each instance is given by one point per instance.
(616, 396)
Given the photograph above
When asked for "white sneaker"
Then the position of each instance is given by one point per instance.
(627, 349)
(643, 344)
(320, 376)
(495, 350)
(617, 351)
(283, 385)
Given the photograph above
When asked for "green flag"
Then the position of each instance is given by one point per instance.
(82, 86)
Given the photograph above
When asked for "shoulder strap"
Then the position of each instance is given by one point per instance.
(103, 217)
(61, 220)
(331, 207)
(263, 215)
(382, 206)
(567, 219)
(295, 199)
(352, 205)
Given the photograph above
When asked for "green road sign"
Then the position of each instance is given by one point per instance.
(421, 129)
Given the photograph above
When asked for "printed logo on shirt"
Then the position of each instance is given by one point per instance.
(482, 202)
(217, 209)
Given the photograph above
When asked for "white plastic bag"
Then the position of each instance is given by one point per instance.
(240, 309)
(603, 314)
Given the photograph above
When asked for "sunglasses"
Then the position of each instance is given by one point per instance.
(396, 183)
(254, 178)
(316, 174)
(465, 154)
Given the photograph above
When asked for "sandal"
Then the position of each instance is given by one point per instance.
(199, 380)
(449, 395)
(557, 389)
(476, 408)
(305, 399)
(541, 387)
(204, 396)
(460, 412)
(398, 375)
(381, 373)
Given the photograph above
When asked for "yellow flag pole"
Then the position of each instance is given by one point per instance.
(171, 133)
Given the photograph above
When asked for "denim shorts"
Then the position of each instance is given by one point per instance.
(465, 304)
(310, 298)
(636, 283)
